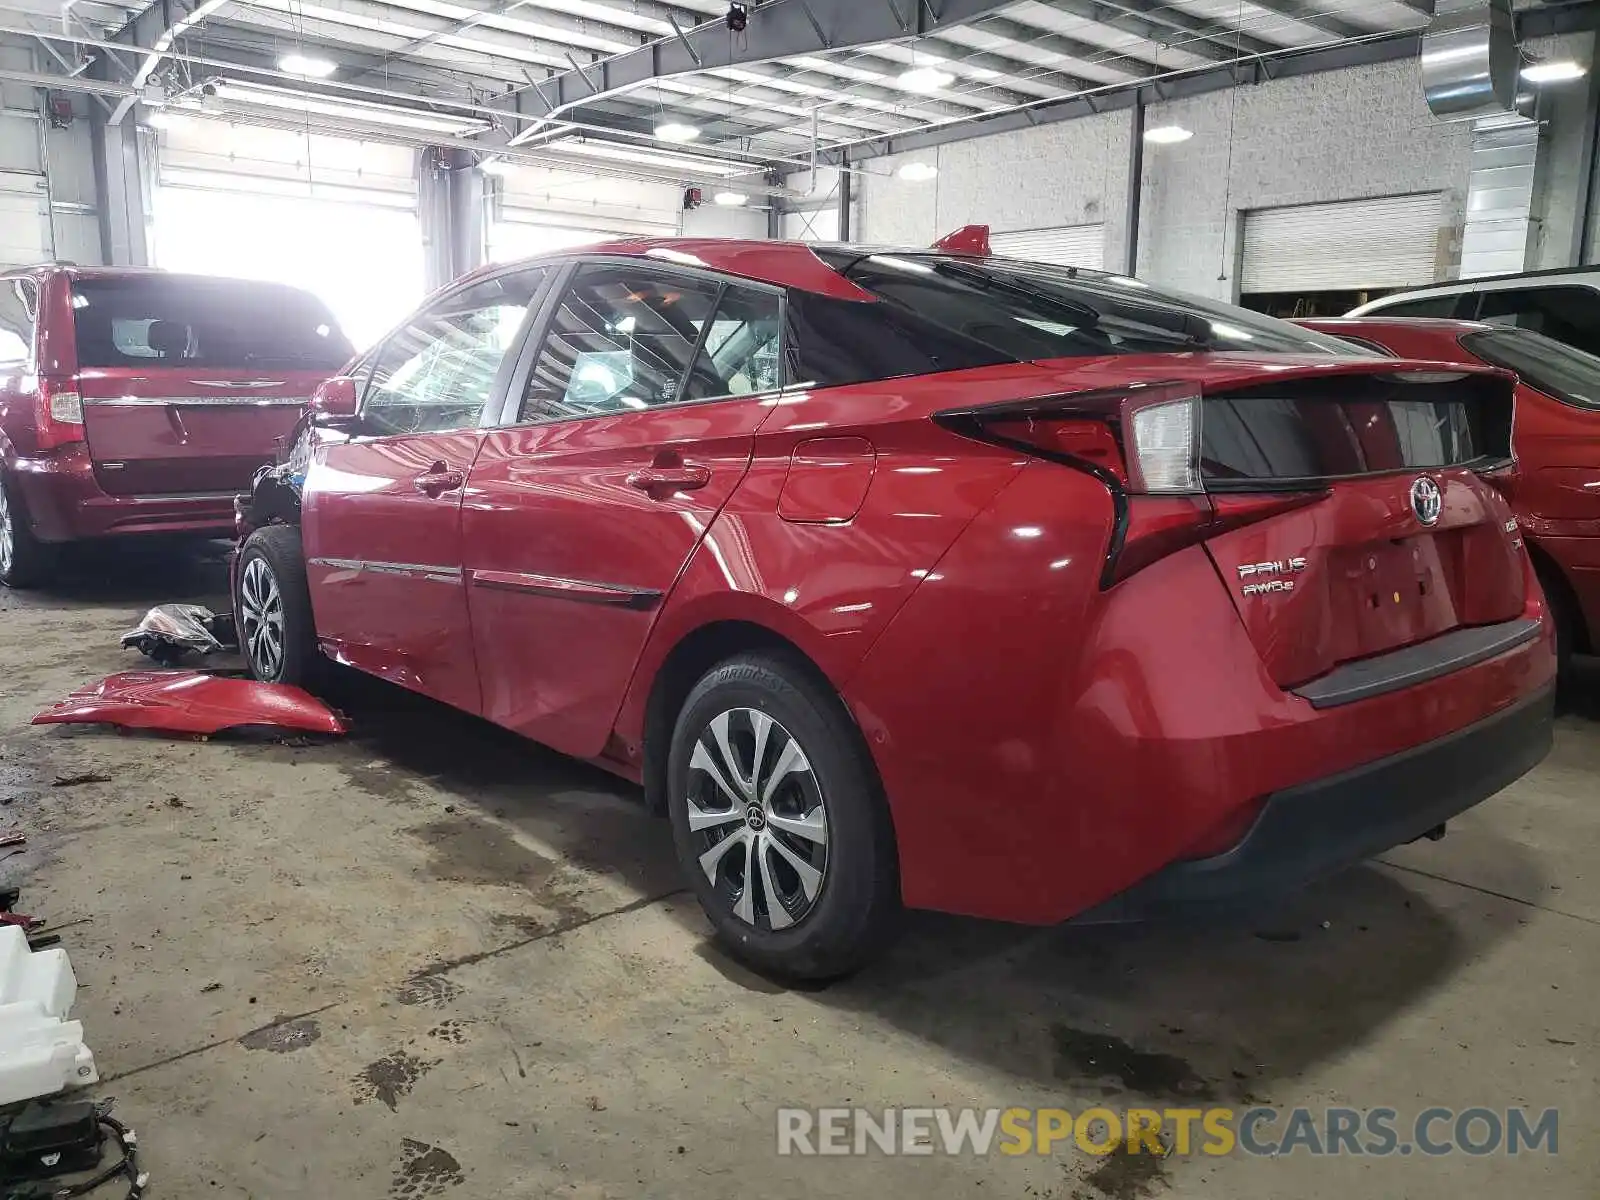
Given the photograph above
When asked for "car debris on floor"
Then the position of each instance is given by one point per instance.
(169, 632)
(193, 702)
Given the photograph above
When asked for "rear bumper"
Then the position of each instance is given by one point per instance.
(66, 503)
(1320, 827)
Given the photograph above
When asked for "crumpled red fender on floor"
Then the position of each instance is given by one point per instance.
(192, 702)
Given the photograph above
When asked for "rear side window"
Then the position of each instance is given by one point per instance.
(1567, 314)
(1556, 369)
(834, 342)
(194, 322)
(18, 307)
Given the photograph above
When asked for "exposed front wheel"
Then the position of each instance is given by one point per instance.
(779, 821)
(272, 611)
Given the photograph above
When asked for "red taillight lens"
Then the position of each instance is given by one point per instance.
(58, 416)
(1143, 442)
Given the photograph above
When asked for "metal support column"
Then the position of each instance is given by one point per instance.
(1583, 202)
(119, 191)
(1130, 223)
(450, 209)
(846, 188)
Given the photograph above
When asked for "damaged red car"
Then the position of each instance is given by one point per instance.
(924, 578)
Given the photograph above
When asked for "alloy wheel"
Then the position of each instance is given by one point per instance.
(758, 817)
(261, 618)
(7, 536)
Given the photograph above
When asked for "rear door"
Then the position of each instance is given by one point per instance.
(638, 422)
(188, 383)
(1386, 539)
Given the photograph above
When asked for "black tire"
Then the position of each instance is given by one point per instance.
(1564, 612)
(25, 561)
(852, 914)
(271, 563)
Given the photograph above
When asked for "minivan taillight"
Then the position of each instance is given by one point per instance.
(1143, 442)
(59, 414)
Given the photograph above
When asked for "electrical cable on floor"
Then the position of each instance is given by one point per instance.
(127, 1166)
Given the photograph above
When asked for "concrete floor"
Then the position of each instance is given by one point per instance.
(454, 964)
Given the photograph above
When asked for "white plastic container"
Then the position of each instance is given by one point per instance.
(41, 1051)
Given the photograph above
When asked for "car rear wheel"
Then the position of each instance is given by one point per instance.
(273, 607)
(779, 821)
(24, 560)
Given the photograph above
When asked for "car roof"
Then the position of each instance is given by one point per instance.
(1442, 325)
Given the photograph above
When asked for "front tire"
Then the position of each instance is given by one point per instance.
(779, 821)
(273, 607)
(25, 561)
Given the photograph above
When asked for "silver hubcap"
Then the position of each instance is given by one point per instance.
(758, 819)
(261, 618)
(5, 533)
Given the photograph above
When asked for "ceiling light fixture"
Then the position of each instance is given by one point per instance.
(730, 199)
(672, 131)
(1168, 135)
(1558, 71)
(309, 68)
(925, 79)
(917, 172)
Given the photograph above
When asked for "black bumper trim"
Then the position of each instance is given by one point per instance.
(1407, 667)
(1318, 828)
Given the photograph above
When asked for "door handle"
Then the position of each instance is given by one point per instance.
(661, 481)
(440, 479)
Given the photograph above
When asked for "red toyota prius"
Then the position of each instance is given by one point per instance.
(924, 578)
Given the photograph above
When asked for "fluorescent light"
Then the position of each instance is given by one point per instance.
(917, 172)
(498, 166)
(730, 199)
(1558, 71)
(311, 68)
(1167, 135)
(672, 131)
(925, 79)
(982, 73)
(235, 92)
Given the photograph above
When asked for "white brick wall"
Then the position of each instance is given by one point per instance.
(1339, 135)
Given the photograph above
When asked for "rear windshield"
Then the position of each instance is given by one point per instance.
(195, 322)
(1339, 427)
(1555, 368)
(1030, 311)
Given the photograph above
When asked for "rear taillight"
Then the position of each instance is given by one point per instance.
(1143, 442)
(59, 413)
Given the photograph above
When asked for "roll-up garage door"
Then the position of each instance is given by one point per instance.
(333, 215)
(1063, 246)
(24, 207)
(537, 210)
(1348, 245)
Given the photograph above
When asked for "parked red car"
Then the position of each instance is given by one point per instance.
(923, 578)
(137, 402)
(1555, 490)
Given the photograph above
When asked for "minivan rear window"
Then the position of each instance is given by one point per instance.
(196, 322)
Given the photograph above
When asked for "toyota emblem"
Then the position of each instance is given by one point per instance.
(1426, 500)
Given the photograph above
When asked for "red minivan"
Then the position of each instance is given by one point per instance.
(135, 401)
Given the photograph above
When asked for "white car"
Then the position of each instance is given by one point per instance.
(1562, 304)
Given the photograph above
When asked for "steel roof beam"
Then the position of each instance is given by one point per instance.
(155, 30)
(777, 29)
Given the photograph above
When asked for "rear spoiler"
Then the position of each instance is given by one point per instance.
(969, 239)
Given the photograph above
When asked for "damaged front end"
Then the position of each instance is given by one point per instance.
(274, 495)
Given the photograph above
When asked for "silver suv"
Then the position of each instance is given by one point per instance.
(1562, 304)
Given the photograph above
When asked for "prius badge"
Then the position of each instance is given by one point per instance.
(1426, 500)
(1278, 567)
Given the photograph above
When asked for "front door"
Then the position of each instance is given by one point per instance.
(638, 423)
(381, 512)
